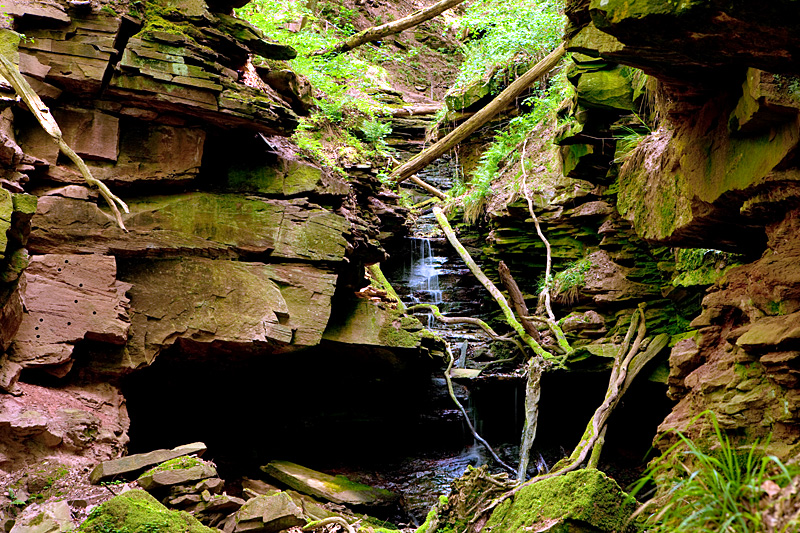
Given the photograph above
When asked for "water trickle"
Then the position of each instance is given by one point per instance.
(423, 272)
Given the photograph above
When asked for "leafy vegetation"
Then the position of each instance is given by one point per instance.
(505, 149)
(568, 283)
(722, 489)
(342, 83)
(502, 32)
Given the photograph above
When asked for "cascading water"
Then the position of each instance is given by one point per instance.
(422, 276)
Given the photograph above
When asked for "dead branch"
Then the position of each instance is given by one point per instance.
(376, 33)
(517, 300)
(427, 156)
(493, 290)
(11, 73)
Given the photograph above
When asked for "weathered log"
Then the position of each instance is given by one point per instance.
(377, 33)
(517, 300)
(427, 156)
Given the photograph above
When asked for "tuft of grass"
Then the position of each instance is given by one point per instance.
(718, 490)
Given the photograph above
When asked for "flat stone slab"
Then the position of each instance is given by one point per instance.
(134, 464)
(178, 476)
(269, 514)
(464, 373)
(336, 489)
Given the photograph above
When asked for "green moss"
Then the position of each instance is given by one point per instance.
(584, 496)
(178, 463)
(136, 511)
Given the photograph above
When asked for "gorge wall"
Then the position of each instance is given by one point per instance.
(236, 250)
(719, 172)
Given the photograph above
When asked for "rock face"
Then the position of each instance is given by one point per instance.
(234, 244)
(720, 172)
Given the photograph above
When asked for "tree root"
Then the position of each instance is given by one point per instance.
(328, 521)
(377, 274)
(628, 363)
(493, 290)
(466, 417)
(544, 296)
(11, 73)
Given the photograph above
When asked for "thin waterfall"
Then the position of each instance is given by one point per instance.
(533, 391)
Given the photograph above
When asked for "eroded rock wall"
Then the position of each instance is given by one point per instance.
(233, 243)
(719, 172)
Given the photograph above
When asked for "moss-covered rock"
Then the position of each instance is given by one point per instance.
(607, 89)
(136, 511)
(336, 489)
(583, 501)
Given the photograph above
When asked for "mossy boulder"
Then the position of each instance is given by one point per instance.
(583, 501)
(136, 511)
(178, 471)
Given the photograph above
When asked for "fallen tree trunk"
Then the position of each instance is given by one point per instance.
(416, 110)
(428, 187)
(480, 118)
(493, 290)
(376, 33)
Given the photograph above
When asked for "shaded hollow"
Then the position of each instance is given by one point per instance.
(322, 407)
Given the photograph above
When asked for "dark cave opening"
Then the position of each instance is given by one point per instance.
(323, 407)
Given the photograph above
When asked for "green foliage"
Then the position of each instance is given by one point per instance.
(567, 284)
(14, 499)
(374, 130)
(503, 30)
(712, 490)
(505, 148)
(340, 16)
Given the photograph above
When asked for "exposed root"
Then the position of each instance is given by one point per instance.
(11, 73)
(466, 417)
